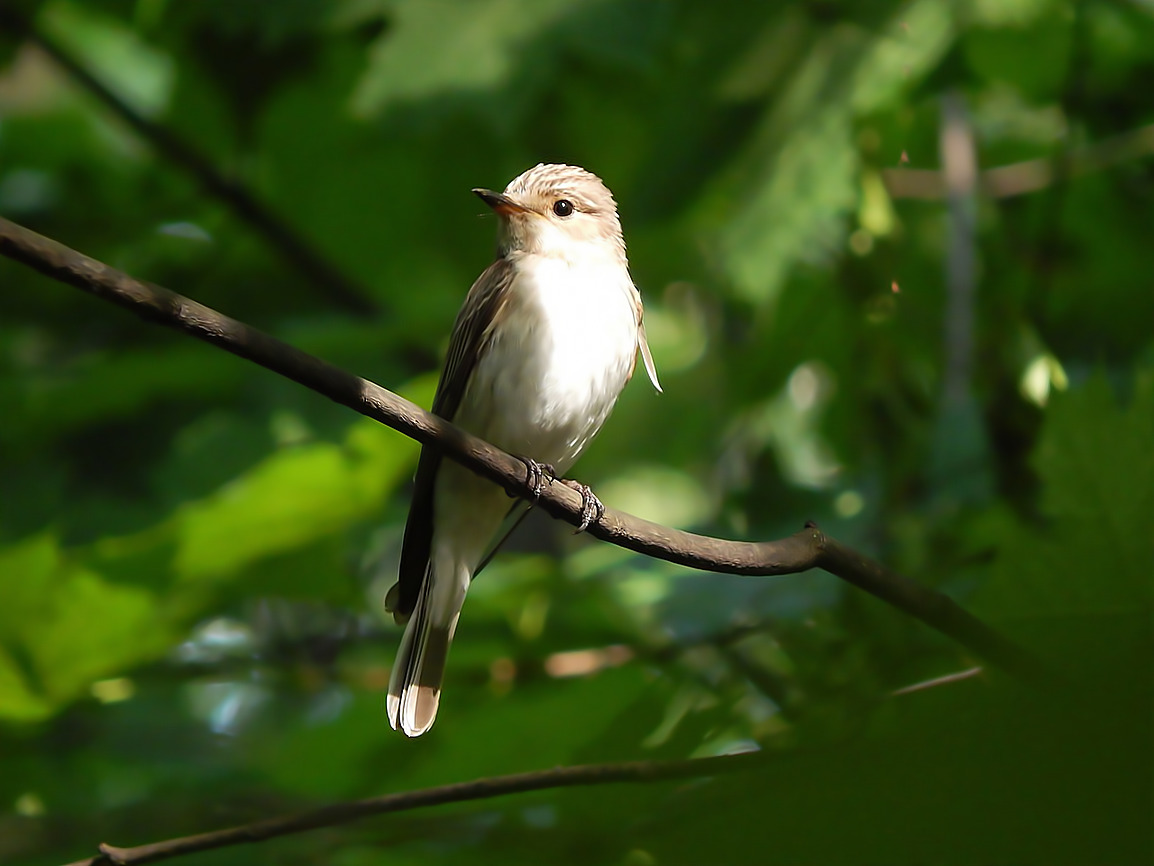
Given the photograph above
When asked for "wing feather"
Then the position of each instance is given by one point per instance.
(471, 334)
(643, 343)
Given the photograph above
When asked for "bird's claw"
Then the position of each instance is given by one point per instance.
(535, 475)
(592, 509)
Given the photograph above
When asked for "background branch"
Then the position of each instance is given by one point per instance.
(809, 548)
(1029, 176)
(286, 241)
(459, 792)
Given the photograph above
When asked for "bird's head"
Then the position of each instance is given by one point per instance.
(557, 210)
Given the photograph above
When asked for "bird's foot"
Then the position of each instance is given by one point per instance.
(535, 475)
(592, 509)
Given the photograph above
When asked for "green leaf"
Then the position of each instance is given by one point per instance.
(1095, 555)
(18, 702)
(70, 625)
(798, 185)
(292, 499)
(419, 58)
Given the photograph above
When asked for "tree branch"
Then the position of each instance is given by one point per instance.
(1032, 175)
(809, 548)
(479, 789)
(293, 248)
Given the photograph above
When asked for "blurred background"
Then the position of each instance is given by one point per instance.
(896, 260)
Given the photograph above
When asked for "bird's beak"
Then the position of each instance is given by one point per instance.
(500, 203)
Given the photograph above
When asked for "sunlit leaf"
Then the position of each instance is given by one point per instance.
(71, 626)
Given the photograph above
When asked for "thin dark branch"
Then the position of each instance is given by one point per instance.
(291, 246)
(936, 610)
(479, 789)
(809, 548)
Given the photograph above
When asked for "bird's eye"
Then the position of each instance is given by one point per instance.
(563, 207)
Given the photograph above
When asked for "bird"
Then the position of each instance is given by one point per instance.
(546, 340)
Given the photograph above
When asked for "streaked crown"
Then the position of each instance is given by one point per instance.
(567, 206)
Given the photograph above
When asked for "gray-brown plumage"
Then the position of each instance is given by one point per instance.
(547, 338)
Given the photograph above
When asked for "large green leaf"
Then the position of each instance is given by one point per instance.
(1094, 554)
(68, 626)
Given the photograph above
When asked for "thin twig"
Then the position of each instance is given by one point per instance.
(809, 548)
(290, 245)
(947, 679)
(480, 789)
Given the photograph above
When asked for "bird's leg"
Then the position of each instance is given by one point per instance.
(535, 475)
(592, 509)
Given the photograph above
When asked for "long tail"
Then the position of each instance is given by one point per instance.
(415, 683)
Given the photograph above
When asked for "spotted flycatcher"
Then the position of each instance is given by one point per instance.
(545, 342)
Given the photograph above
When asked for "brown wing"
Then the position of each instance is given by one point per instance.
(470, 335)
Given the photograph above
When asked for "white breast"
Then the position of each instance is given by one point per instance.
(557, 361)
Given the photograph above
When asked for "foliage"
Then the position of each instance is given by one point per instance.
(193, 553)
